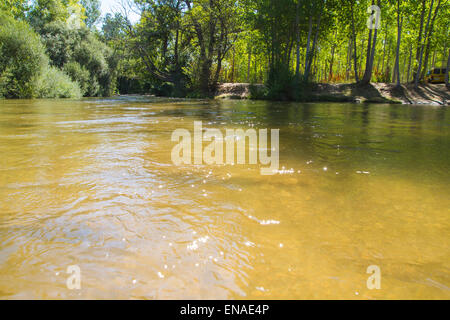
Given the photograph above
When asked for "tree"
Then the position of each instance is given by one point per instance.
(114, 27)
(215, 24)
(78, 52)
(448, 71)
(46, 11)
(419, 38)
(371, 46)
(24, 69)
(160, 43)
(355, 52)
(429, 40)
(22, 58)
(399, 37)
(92, 11)
(310, 55)
(16, 8)
(417, 79)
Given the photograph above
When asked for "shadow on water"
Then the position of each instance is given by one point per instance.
(367, 132)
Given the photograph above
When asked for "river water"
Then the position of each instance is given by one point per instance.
(91, 183)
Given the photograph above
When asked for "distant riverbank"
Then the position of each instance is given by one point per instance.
(434, 94)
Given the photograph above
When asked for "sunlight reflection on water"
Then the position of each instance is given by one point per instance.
(91, 183)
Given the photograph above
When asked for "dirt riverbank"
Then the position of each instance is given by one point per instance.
(433, 94)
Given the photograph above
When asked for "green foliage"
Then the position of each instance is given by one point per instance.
(22, 58)
(113, 28)
(54, 83)
(185, 48)
(43, 12)
(258, 92)
(47, 11)
(163, 90)
(282, 84)
(16, 8)
(59, 41)
(88, 64)
(78, 50)
(98, 58)
(131, 73)
(92, 11)
(80, 75)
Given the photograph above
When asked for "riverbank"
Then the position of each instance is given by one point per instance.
(433, 94)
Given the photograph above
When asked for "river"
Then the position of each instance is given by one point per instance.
(90, 183)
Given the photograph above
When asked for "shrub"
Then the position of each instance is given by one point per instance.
(54, 83)
(96, 57)
(59, 42)
(163, 90)
(282, 84)
(80, 75)
(22, 58)
(126, 85)
(77, 51)
(257, 92)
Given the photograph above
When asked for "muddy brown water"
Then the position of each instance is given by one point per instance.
(91, 183)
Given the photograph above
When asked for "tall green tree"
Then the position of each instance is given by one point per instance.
(91, 11)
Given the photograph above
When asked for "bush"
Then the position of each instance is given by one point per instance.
(80, 75)
(257, 92)
(82, 56)
(126, 85)
(59, 42)
(22, 58)
(54, 83)
(89, 65)
(96, 57)
(163, 90)
(282, 84)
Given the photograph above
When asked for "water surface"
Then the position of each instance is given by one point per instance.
(91, 183)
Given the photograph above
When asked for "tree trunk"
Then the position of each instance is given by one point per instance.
(205, 77)
(331, 63)
(448, 71)
(249, 63)
(355, 55)
(370, 54)
(308, 43)
(308, 69)
(403, 72)
(177, 60)
(384, 48)
(386, 61)
(369, 47)
(433, 64)
(233, 65)
(297, 35)
(256, 72)
(367, 73)
(428, 39)
(419, 39)
(348, 65)
(416, 82)
(409, 64)
(399, 39)
(444, 52)
(361, 58)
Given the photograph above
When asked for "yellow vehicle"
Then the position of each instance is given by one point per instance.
(436, 75)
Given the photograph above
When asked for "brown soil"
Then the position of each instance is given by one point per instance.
(234, 90)
(433, 94)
